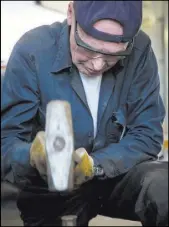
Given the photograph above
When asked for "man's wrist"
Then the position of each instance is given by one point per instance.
(98, 171)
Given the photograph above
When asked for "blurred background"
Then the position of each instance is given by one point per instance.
(18, 17)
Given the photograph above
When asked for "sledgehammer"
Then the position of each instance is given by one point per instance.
(59, 146)
(59, 151)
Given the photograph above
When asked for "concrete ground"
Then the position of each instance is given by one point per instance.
(105, 221)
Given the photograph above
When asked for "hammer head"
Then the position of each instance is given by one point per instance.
(59, 146)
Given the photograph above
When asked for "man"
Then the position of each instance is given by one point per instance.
(104, 66)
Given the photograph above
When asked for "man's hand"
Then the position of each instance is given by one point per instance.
(38, 154)
(83, 166)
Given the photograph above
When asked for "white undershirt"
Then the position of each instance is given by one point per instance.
(91, 86)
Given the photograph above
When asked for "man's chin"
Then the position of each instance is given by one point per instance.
(84, 71)
(90, 73)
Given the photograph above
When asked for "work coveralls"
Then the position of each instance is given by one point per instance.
(129, 131)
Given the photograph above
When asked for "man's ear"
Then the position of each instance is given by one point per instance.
(70, 13)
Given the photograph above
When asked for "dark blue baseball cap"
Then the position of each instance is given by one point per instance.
(127, 13)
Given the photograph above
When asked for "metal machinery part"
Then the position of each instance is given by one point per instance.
(69, 220)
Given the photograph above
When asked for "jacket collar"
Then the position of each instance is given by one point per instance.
(63, 56)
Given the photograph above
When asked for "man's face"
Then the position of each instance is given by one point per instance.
(89, 62)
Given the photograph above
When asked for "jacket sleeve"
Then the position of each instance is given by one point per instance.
(19, 104)
(143, 138)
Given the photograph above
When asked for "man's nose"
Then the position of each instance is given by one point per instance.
(98, 64)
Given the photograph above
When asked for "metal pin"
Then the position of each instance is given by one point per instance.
(69, 220)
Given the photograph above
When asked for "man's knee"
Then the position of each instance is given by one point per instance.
(153, 196)
(153, 177)
(150, 169)
(156, 184)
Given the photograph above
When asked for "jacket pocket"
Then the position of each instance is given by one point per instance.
(115, 127)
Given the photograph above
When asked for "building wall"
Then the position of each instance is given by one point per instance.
(159, 44)
(60, 6)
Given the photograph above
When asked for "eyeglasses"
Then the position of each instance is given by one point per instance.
(119, 55)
